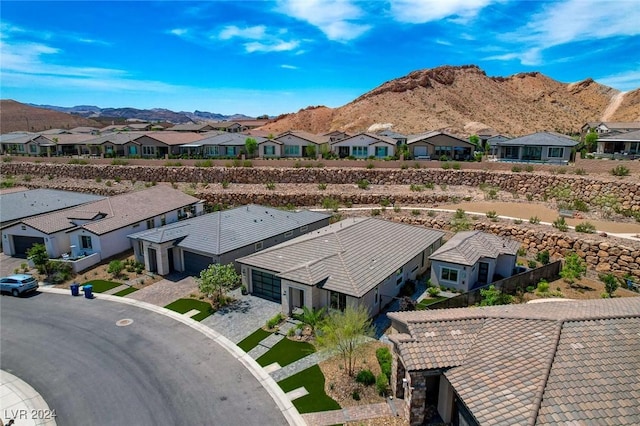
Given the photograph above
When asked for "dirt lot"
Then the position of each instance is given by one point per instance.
(585, 288)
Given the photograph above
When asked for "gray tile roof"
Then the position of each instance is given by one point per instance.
(350, 257)
(19, 205)
(572, 362)
(540, 139)
(118, 211)
(466, 248)
(627, 136)
(225, 231)
(428, 135)
(226, 138)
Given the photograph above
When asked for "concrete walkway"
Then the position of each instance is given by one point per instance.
(165, 291)
(391, 408)
(22, 403)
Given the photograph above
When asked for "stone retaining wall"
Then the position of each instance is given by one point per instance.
(533, 185)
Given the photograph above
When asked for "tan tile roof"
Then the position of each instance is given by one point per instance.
(119, 211)
(71, 139)
(311, 137)
(175, 138)
(466, 248)
(548, 363)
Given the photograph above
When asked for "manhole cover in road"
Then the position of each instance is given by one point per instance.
(124, 322)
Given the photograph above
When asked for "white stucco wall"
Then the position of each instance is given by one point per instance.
(56, 244)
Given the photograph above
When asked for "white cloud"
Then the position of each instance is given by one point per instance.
(180, 32)
(625, 81)
(288, 67)
(421, 11)
(443, 42)
(276, 46)
(253, 33)
(339, 20)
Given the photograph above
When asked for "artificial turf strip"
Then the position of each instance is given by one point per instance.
(100, 286)
(285, 352)
(183, 306)
(313, 381)
(426, 302)
(253, 339)
(126, 291)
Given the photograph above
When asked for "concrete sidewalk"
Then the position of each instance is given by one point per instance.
(22, 403)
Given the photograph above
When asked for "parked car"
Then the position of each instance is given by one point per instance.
(18, 284)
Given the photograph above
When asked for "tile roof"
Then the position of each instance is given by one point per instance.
(116, 138)
(23, 204)
(622, 124)
(351, 256)
(627, 136)
(225, 138)
(189, 127)
(118, 211)
(174, 138)
(71, 139)
(225, 231)
(311, 137)
(466, 248)
(540, 139)
(572, 362)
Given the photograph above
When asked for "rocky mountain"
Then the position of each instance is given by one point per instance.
(463, 100)
(15, 116)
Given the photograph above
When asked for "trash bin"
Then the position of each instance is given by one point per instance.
(75, 289)
(88, 291)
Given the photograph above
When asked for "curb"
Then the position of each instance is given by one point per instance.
(287, 408)
(31, 409)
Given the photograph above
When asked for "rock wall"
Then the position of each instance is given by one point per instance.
(532, 185)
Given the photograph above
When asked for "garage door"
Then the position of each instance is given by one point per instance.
(265, 285)
(21, 244)
(194, 263)
(420, 151)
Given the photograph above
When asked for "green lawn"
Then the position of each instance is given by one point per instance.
(183, 306)
(313, 380)
(100, 286)
(285, 352)
(429, 301)
(126, 291)
(252, 340)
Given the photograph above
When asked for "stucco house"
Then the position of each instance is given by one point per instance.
(473, 258)
(293, 143)
(100, 227)
(355, 261)
(220, 237)
(624, 144)
(365, 145)
(610, 127)
(540, 147)
(558, 362)
(437, 145)
(219, 144)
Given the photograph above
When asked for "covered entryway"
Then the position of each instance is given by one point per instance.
(266, 285)
(420, 151)
(296, 298)
(22, 243)
(195, 263)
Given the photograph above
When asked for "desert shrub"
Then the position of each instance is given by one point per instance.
(98, 179)
(580, 205)
(532, 264)
(396, 209)
(415, 188)
(382, 384)
(611, 283)
(204, 163)
(415, 212)
(429, 185)
(446, 165)
(455, 166)
(273, 322)
(542, 289)
(561, 224)
(433, 291)
(586, 227)
(363, 184)
(322, 186)
(225, 184)
(370, 165)
(270, 185)
(543, 257)
(517, 221)
(516, 169)
(385, 202)
(355, 395)
(119, 162)
(580, 172)
(491, 214)
(491, 296)
(78, 161)
(529, 168)
(534, 220)
(173, 164)
(375, 212)
(366, 377)
(108, 183)
(620, 171)
(330, 203)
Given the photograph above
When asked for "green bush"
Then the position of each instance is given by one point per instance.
(415, 188)
(270, 185)
(370, 165)
(355, 395)
(543, 257)
(119, 162)
(542, 289)
(580, 172)
(363, 184)
(446, 165)
(382, 384)
(415, 212)
(491, 214)
(375, 212)
(455, 166)
(204, 163)
(529, 168)
(433, 291)
(366, 377)
(561, 224)
(322, 186)
(533, 264)
(586, 227)
(620, 171)
(385, 360)
(273, 322)
(78, 161)
(330, 203)
(516, 169)
(534, 220)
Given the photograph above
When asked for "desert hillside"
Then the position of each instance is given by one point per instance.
(464, 100)
(19, 117)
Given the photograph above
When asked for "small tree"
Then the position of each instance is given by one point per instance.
(492, 296)
(40, 258)
(591, 140)
(216, 279)
(310, 151)
(611, 283)
(475, 141)
(574, 268)
(344, 332)
(250, 145)
(115, 268)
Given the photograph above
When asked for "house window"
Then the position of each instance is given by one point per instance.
(443, 151)
(338, 300)
(258, 246)
(304, 228)
(511, 152)
(211, 150)
(163, 220)
(556, 152)
(140, 248)
(288, 234)
(359, 151)
(292, 150)
(23, 227)
(135, 225)
(133, 150)
(382, 151)
(148, 150)
(231, 151)
(448, 274)
(85, 242)
(532, 153)
(151, 223)
(269, 150)
(399, 276)
(33, 149)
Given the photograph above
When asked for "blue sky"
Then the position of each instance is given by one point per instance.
(273, 57)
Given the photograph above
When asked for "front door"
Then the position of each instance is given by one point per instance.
(483, 273)
(296, 298)
(343, 151)
(170, 255)
(153, 261)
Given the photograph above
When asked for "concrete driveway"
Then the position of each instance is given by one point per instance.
(8, 264)
(95, 368)
(167, 290)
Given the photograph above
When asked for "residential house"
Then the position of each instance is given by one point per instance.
(348, 262)
(399, 137)
(220, 237)
(293, 143)
(491, 143)
(100, 227)
(471, 259)
(439, 145)
(252, 124)
(163, 143)
(336, 135)
(558, 362)
(85, 129)
(365, 145)
(540, 147)
(219, 144)
(624, 144)
(24, 143)
(114, 144)
(192, 127)
(74, 144)
(610, 127)
(228, 126)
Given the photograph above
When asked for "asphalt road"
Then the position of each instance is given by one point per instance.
(155, 371)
